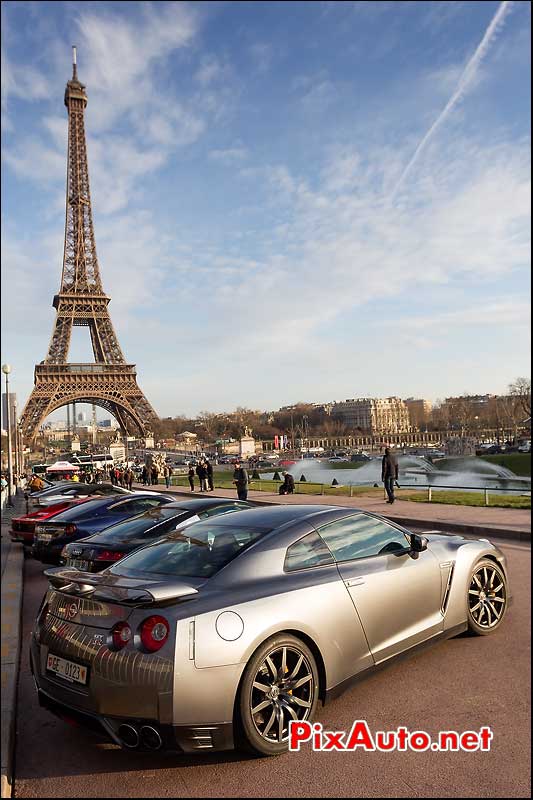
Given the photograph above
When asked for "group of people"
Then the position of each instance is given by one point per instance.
(204, 472)
(122, 476)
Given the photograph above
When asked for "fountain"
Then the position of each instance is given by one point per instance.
(416, 471)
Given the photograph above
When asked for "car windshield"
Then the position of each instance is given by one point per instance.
(131, 528)
(196, 552)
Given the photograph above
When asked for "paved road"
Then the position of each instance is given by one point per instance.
(460, 684)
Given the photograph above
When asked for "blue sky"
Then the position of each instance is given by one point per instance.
(292, 201)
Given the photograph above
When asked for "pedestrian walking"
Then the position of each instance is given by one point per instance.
(389, 473)
(168, 474)
(131, 476)
(155, 474)
(209, 469)
(145, 475)
(240, 479)
(191, 477)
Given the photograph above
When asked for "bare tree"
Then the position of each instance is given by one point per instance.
(520, 390)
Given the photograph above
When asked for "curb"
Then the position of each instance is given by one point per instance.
(12, 584)
(464, 528)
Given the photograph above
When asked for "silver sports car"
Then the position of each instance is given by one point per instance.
(221, 634)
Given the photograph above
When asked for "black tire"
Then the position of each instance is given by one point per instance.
(487, 598)
(292, 697)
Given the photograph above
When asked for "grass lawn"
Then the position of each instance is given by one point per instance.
(519, 463)
(470, 499)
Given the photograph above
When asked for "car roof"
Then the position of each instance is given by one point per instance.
(275, 516)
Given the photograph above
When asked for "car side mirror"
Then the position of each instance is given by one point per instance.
(418, 544)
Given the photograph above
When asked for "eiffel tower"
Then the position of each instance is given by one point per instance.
(109, 382)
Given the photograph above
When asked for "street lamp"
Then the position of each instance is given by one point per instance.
(305, 424)
(6, 369)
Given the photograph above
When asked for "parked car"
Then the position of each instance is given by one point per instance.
(223, 633)
(93, 516)
(95, 553)
(23, 527)
(56, 494)
(525, 447)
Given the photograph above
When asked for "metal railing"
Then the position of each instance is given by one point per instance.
(331, 489)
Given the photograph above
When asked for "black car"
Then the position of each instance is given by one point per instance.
(87, 518)
(95, 553)
(73, 490)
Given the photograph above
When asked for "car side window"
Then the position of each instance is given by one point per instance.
(361, 536)
(310, 551)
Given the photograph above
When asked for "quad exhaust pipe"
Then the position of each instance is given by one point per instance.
(147, 737)
(128, 736)
(150, 738)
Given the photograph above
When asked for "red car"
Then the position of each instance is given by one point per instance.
(22, 528)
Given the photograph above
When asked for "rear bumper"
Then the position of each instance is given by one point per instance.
(124, 730)
(47, 552)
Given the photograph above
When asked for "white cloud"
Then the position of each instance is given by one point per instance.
(262, 55)
(229, 155)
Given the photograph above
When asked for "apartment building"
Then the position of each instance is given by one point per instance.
(373, 415)
(419, 412)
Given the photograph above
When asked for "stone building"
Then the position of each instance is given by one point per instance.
(373, 415)
(419, 412)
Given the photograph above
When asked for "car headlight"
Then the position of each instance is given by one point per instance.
(40, 529)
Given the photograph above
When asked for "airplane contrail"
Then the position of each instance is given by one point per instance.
(462, 84)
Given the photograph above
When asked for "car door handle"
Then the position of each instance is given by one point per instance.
(354, 582)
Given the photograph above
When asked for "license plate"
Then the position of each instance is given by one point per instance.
(44, 537)
(68, 670)
(77, 562)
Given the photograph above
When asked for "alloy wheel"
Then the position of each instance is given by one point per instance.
(487, 596)
(282, 690)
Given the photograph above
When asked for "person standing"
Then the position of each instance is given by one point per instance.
(191, 477)
(155, 474)
(389, 473)
(168, 474)
(201, 471)
(209, 470)
(240, 479)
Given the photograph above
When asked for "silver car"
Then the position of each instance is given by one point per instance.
(221, 634)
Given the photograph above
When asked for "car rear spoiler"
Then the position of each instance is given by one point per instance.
(122, 590)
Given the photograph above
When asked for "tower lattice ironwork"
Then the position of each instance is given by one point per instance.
(108, 382)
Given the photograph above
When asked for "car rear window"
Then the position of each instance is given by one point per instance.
(199, 551)
(131, 528)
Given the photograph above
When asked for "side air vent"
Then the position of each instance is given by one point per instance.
(447, 588)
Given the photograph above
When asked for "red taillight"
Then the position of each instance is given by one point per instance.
(154, 633)
(121, 635)
(109, 555)
(70, 529)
